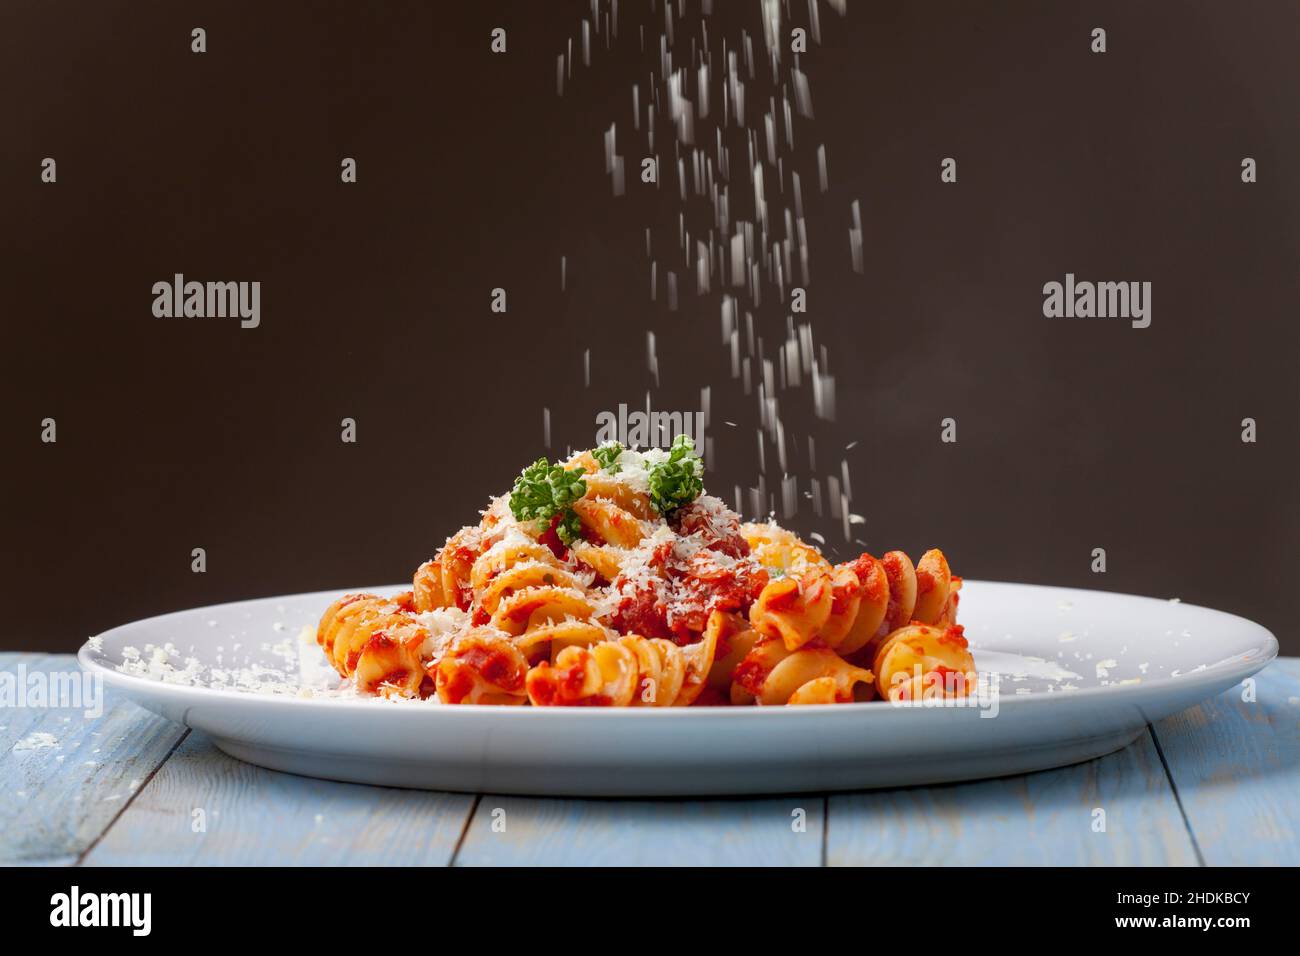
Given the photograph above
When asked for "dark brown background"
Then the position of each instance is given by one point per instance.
(473, 174)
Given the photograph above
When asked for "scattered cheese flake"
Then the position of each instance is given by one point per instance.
(39, 740)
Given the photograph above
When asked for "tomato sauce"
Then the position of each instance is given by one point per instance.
(496, 667)
(955, 635)
(677, 605)
(551, 538)
(751, 675)
(721, 532)
(459, 686)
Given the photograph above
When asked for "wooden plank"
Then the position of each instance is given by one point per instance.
(205, 808)
(1036, 819)
(521, 831)
(1236, 767)
(66, 772)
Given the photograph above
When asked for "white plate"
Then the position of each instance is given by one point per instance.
(1080, 674)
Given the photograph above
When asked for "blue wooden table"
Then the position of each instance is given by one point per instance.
(1217, 784)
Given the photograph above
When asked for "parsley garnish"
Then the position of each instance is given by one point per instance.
(607, 454)
(678, 479)
(543, 491)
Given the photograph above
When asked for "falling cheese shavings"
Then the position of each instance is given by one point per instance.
(715, 118)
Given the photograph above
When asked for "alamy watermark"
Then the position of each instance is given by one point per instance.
(75, 908)
(1075, 299)
(179, 299)
(77, 690)
(950, 688)
(649, 429)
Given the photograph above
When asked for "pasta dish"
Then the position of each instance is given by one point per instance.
(611, 579)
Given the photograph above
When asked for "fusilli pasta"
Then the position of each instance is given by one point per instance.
(574, 590)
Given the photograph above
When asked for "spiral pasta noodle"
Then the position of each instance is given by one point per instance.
(630, 671)
(920, 661)
(771, 673)
(481, 667)
(376, 641)
(611, 579)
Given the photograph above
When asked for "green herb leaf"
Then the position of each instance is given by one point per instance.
(543, 491)
(677, 480)
(607, 454)
(569, 528)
